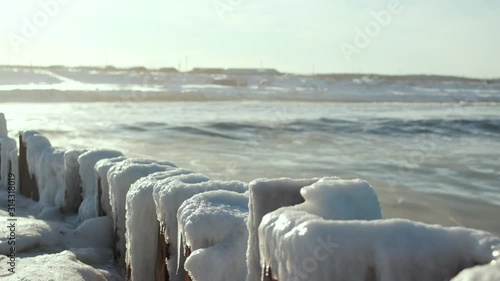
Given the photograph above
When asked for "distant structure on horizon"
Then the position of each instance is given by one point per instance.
(236, 71)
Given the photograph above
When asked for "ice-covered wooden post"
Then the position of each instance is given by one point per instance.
(142, 254)
(7, 147)
(100, 210)
(88, 176)
(267, 274)
(169, 196)
(162, 256)
(327, 199)
(187, 253)
(121, 177)
(73, 183)
(27, 183)
(101, 171)
(267, 195)
(212, 225)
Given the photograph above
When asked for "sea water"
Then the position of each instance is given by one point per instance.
(436, 161)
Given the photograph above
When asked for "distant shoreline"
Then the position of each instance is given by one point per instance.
(258, 71)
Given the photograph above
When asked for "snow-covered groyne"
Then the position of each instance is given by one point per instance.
(171, 223)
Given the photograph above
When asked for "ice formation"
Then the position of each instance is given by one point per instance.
(338, 233)
(101, 169)
(141, 252)
(87, 161)
(60, 266)
(46, 164)
(213, 225)
(72, 185)
(489, 272)
(267, 195)
(169, 195)
(335, 199)
(120, 177)
(392, 250)
(39, 235)
(36, 145)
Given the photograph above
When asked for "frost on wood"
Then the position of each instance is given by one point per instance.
(169, 194)
(141, 222)
(120, 177)
(87, 161)
(213, 226)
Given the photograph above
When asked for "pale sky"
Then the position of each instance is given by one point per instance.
(452, 37)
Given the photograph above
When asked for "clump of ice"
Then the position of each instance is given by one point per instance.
(101, 169)
(302, 246)
(335, 199)
(120, 177)
(141, 220)
(267, 195)
(213, 226)
(169, 194)
(87, 161)
(489, 272)
(274, 226)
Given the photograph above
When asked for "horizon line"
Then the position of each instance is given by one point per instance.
(176, 70)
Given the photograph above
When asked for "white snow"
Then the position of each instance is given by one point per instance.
(142, 225)
(120, 177)
(34, 234)
(169, 194)
(87, 161)
(213, 225)
(335, 199)
(60, 266)
(301, 248)
(101, 168)
(489, 272)
(267, 195)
